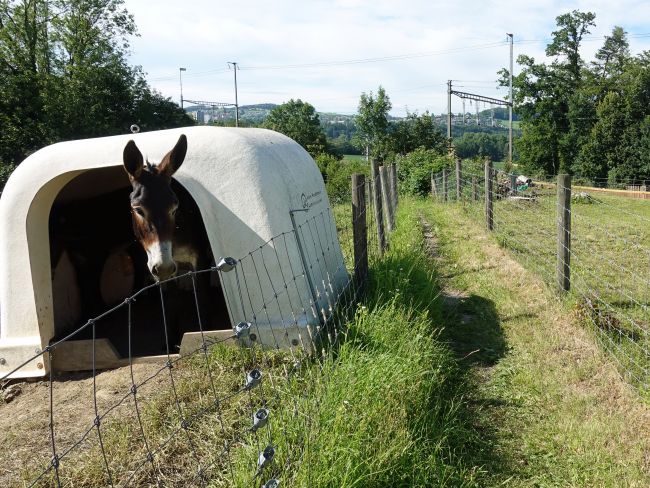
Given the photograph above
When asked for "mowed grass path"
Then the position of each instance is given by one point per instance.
(552, 401)
(610, 253)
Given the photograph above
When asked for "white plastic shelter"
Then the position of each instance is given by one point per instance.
(249, 184)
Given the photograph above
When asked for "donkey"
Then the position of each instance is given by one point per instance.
(154, 205)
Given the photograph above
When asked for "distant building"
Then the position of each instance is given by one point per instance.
(199, 116)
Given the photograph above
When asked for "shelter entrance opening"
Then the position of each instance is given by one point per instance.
(97, 264)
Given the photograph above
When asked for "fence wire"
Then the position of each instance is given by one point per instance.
(212, 413)
(608, 250)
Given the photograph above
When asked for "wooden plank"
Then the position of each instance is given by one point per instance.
(359, 229)
(78, 355)
(192, 341)
(388, 204)
(377, 204)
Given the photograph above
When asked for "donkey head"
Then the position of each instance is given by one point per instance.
(154, 204)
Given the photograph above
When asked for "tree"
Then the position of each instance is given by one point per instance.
(64, 75)
(24, 69)
(612, 58)
(372, 123)
(481, 144)
(566, 41)
(590, 119)
(617, 144)
(550, 99)
(298, 120)
(416, 131)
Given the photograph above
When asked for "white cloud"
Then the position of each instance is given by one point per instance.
(203, 35)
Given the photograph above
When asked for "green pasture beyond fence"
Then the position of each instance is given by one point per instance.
(593, 248)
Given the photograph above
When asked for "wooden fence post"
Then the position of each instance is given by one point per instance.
(376, 200)
(359, 229)
(489, 220)
(564, 232)
(444, 184)
(393, 172)
(369, 191)
(458, 179)
(385, 191)
(513, 184)
(389, 183)
(474, 189)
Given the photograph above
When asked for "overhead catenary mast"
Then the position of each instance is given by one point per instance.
(480, 98)
(234, 64)
(510, 106)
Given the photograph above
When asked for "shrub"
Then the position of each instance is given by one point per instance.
(415, 168)
(336, 174)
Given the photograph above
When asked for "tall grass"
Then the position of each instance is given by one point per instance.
(387, 408)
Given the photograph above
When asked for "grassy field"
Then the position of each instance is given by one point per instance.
(355, 157)
(610, 251)
(547, 398)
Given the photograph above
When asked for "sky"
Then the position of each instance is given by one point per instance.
(328, 52)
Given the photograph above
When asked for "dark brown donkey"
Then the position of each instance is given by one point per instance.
(153, 208)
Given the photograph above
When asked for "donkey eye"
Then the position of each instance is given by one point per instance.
(139, 211)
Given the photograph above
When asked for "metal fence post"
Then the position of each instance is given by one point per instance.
(434, 187)
(444, 184)
(359, 229)
(489, 221)
(385, 191)
(564, 232)
(458, 180)
(376, 199)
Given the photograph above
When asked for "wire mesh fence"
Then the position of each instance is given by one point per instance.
(602, 260)
(207, 410)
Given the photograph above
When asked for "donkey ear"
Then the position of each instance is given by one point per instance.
(133, 160)
(174, 158)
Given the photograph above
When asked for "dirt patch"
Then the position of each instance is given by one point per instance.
(452, 299)
(430, 239)
(25, 434)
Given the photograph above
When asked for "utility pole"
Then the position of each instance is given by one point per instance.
(234, 64)
(180, 77)
(511, 104)
(449, 114)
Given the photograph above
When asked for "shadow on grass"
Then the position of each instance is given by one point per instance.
(469, 328)
(472, 329)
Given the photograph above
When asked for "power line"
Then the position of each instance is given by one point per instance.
(191, 75)
(398, 57)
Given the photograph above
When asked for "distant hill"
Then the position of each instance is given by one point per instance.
(256, 113)
(336, 124)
